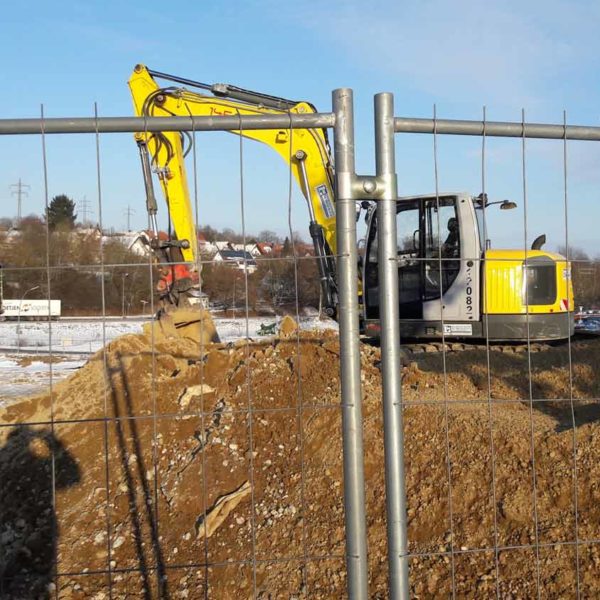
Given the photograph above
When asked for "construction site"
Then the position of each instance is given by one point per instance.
(339, 390)
(154, 462)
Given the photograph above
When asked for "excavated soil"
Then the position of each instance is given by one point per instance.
(159, 469)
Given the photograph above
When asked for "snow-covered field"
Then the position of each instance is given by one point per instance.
(63, 337)
(25, 348)
(24, 374)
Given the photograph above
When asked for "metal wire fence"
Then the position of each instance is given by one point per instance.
(153, 463)
(518, 465)
(165, 466)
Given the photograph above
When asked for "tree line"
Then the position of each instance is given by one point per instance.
(126, 282)
(87, 273)
(585, 272)
(90, 273)
(276, 285)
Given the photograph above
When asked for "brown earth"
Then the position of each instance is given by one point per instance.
(160, 470)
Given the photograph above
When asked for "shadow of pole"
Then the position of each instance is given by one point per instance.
(124, 417)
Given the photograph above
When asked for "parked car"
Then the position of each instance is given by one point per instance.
(588, 324)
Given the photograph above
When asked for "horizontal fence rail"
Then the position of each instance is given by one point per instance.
(132, 124)
(496, 129)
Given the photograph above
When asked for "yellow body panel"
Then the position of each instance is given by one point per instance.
(285, 142)
(504, 287)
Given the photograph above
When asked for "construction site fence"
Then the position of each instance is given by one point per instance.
(350, 188)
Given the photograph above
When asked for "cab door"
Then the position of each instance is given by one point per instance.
(438, 261)
(436, 244)
(452, 263)
(409, 241)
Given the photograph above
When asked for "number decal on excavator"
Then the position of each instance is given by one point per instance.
(469, 291)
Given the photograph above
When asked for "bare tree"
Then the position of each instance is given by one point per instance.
(585, 273)
(268, 236)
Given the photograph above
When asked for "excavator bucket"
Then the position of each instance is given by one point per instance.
(193, 324)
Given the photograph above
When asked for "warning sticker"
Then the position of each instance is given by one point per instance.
(326, 203)
(458, 329)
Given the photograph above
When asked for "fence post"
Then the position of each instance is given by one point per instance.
(390, 348)
(347, 267)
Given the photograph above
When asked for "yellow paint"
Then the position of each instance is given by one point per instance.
(503, 283)
(285, 142)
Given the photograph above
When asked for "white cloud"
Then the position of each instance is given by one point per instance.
(503, 53)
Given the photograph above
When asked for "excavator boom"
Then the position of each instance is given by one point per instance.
(305, 151)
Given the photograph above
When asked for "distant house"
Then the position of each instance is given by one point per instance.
(138, 242)
(219, 251)
(12, 235)
(206, 249)
(251, 248)
(265, 248)
(299, 248)
(89, 232)
(237, 259)
(303, 249)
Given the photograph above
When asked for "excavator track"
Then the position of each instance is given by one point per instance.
(516, 348)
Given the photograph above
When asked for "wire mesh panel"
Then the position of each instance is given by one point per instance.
(182, 416)
(162, 451)
(496, 483)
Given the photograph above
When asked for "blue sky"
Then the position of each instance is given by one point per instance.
(459, 55)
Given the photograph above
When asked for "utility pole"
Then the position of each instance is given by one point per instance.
(18, 190)
(85, 209)
(128, 212)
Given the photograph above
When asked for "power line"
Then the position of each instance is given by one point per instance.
(18, 190)
(128, 212)
(85, 209)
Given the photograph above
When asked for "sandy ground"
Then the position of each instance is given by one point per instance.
(167, 486)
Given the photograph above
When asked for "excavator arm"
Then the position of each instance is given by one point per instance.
(305, 151)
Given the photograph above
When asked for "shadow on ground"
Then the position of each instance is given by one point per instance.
(33, 466)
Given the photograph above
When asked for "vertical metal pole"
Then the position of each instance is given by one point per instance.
(347, 266)
(390, 348)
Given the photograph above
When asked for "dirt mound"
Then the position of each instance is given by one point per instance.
(198, 479)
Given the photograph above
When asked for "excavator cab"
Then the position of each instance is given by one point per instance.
(450, 285)
(435, 237)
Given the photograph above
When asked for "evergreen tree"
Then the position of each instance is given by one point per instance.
(61, 212)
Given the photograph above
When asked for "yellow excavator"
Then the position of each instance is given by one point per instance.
(452, 284)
